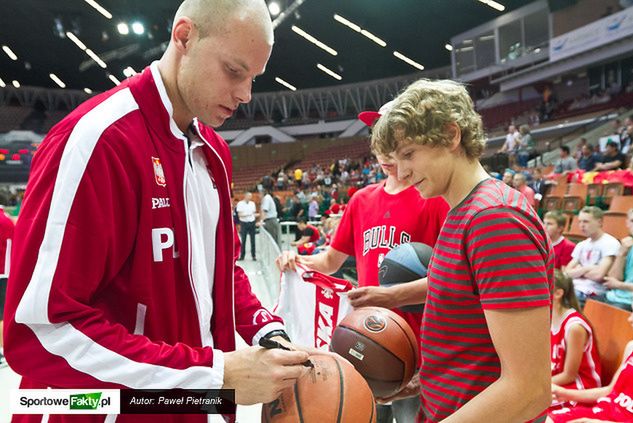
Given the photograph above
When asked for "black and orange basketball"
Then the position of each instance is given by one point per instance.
(381, 346)
(405, 263)
(331, 392)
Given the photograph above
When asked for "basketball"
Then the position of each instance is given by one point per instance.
(381, 346)
(405, 263)
(331, 392)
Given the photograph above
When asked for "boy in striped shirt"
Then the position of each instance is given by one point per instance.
(485, 331)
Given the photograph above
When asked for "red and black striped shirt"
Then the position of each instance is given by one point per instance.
(492, 253)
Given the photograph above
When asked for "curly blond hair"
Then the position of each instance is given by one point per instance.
(421, 115)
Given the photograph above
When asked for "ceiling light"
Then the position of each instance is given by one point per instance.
(347, 23)
(96, 58)
(114, 79)
(58, 81)
(99, 8)
(72, 37)
(448, 47)
(314, 40)
(487, 37)
(138, 28)
(494, 5)
(123, 28)
(407, 60)
(2, 84)
(372, 37)
(285, 84)
(9, 52)
(129, 71)
(358, 29)
(16, 84)
(88, 90)
(273, 8)
(329, 72)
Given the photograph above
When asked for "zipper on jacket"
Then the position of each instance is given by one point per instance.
(196, 130)
(188, 161)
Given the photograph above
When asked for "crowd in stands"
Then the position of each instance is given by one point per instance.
(339, 172)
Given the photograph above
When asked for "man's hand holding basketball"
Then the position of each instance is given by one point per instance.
(259, 375)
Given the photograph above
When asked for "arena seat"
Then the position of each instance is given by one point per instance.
(620, 204)
(612, 332)
(615, 225)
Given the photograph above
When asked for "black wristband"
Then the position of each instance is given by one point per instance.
(277, 332)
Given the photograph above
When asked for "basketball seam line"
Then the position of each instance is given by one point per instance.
(408, 340)
(342, 387)
(298, 403)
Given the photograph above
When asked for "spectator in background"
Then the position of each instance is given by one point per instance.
(352, 190)
(6, 237)
(620, 278)
(606, 404)
(305, 233)
(313, 207)
(511, 144)
(575, 360)
(508, 177)
(581, 144)
(281, 180)
(519, 184)
(298, 177)
(554, 223)
(593, 257)
(296, 208)
(539, 184)
(612, 158)
(588, 159)
(269, 216)
(267, 183)
(247, 213)
(527, 146)
(565, 163)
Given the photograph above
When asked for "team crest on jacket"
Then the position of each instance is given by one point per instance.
(159, 175)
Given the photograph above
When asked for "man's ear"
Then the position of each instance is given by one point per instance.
(183, 32)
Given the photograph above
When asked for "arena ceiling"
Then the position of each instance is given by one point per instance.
(34, 30)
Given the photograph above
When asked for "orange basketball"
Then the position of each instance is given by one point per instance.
(381, 346)
(331, 392)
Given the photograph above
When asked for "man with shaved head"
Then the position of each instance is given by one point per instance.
(124, 254)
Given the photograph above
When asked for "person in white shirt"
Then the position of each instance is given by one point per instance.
(512, 143)
(247, 212)
(269, 216)
(593, 257)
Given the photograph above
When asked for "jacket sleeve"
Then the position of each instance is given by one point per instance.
(76, 229)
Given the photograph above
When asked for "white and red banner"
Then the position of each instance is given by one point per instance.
(312, 304)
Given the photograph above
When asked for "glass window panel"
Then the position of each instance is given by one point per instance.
(485, 50)
(510, 45)
(465, 57)
(536, 30)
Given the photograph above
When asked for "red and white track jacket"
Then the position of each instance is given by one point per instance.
(101, 294)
